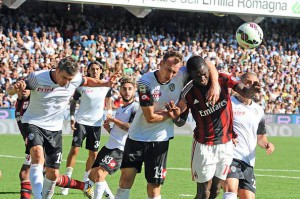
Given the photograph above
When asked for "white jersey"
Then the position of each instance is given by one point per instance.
(91, 107)
(153, 93)
(48, 100)
(118, 136)
(248, 122)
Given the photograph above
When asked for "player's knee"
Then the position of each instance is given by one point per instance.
(126, 180)
(92, 155)
(153, 190)
(214, 193)
(74, 151)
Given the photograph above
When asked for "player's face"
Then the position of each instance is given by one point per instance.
(127, 92)
(249, 80)
(169, 69)
(95, 71)
(63, 78)
(200, 76)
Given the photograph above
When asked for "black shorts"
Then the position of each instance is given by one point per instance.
(109, 159)
(153, 154)
(245, 173)
(24, 136)
(91, 133)
(50, 140)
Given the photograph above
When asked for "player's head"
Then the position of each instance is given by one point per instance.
(66, 70)
(169, 66)
(198, 70)
(95, 70)
(127, 89)
(249, 78)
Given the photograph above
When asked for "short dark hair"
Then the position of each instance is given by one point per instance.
(98, 64)
(195, 62)
(69, 65)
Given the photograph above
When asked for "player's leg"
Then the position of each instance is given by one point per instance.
(78, 137)
(231, 184)
(131, 165)
(92, 144)
(35, 144)
(156, 154)
(26, 189)
(223, 155)
(108, 161)
(248, 185)
(203, 166)
(53, 156)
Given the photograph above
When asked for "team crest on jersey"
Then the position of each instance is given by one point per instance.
(31, 136)
(172, 87)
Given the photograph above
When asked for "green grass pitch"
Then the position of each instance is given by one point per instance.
(277, 175)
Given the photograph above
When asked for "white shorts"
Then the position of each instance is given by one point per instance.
(27, 160)
(209, 161)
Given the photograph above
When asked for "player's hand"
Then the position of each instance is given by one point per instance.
(270, 148)
(235, 141)
(19, 86)
(73, 124)
(109, 118)
(114, 79)
(255, 87)
(213, 94)
(106, 126)
(173, 110)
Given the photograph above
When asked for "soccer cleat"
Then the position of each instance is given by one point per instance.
(64, 191)
(88, 190)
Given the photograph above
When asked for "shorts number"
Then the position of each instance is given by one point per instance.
(107, 159)
(97, 143)
(59, 156)
(254, 183)
(160, 172)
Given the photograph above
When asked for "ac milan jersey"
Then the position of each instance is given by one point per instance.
(248, 122)
(48, 100)
(20, 108)
(92, 100)
(153, 93)
(213, 122)
(118, 136)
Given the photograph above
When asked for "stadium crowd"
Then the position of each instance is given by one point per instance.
(36, 36)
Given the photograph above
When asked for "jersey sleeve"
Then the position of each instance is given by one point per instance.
(261, 130)
(109, 93)
(133, 112)
(77, 94)
(31, 81)
(145, 96)
(226, 79)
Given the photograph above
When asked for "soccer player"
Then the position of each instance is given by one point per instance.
(21, 106)
(212, 146)
(51, 91)
(249, 124)
(88, 121)
(110, 156)
(152, 128)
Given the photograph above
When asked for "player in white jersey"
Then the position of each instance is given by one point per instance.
(110, 156)
(50, 94)
(88, 121)
(151, 129)
(249, 125)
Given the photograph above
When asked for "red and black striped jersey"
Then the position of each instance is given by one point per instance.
(20, 108)
(214, 123)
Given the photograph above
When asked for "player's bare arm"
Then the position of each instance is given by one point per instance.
(18, 87)
(214, 91)
(73, 103)
(154, 117)
(247, 92)
(93, 82)
(262, 141)
(123, 125)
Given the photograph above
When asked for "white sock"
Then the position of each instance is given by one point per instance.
(108, 193)
(156, 197)
(229, 195)
(122, 193)
(36, 180)
(86, 176)
(69, 171)
(48, 188)
(99, 188)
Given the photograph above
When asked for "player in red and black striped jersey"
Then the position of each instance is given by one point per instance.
(212, 149)
(21, 106)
